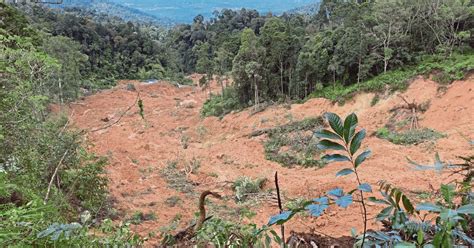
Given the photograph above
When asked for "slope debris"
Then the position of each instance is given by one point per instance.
(199, 154)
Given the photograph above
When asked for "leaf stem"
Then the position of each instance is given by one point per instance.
(362, 202)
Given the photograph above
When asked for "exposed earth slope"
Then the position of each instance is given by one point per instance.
(219, 151)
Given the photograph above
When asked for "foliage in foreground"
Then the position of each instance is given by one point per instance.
(451, 216)
(46, 176)
(447, 221)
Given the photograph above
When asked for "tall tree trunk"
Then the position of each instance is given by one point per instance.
(257, 100)
(221, 81)
(289, 83)
(61, 97)
(306, 86)
(281, 76)
(358, 72)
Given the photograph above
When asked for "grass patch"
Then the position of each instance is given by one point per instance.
(294, 143)
(220, 105)
(246, 188)
(140, 217)
(166, 230)
(173, 201)
(410, 137)
(445, 69)
(176, 179)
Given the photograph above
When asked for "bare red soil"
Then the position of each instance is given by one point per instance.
(139, 149)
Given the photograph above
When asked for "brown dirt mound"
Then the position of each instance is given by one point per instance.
(200, 154)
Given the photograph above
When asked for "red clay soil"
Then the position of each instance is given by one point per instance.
(139, 149)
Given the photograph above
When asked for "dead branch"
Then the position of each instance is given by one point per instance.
(259, 132)
(280, 207)
(121, 116)
(54, 175)
(414, 108)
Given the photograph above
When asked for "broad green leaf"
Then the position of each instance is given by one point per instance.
(280, 218)
(362, 157)
(268, 241)
(365, 187)
(344, 201)
(317, 210)
(329, 145)
(407, 204)
(353, 232)
(335, 158)
(448, 214)
(357, 141)
(344, 172)
(378, 201)
(326, 134)
(337, 192)
(405, 245)
(336, 123)
(420, 237)
(466, 209)
(398, 195)
(276, 238)
(430, 207)
(350, 123)
(385, 213)
(448, 192)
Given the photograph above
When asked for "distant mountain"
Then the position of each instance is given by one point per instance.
(184, 11)
(309, 9)
(114, 9)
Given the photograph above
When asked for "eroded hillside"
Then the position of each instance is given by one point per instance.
(161, 163)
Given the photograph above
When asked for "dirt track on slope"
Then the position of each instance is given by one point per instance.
(138, 150)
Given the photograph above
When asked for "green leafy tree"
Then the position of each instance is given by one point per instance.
(68, 54)
(276, 42)
(249, 53)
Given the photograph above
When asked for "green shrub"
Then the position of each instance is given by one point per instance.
(219, 232)
(245, 188)
(375, 100)
(297, 138)
(220, 105)
(176, 178)
(140, 217)
(173, 201)
(410, 137)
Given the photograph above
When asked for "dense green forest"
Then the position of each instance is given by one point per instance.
(345, 43)
(55, 56)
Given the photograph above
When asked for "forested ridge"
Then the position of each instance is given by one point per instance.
(50, 57)
(345, 43)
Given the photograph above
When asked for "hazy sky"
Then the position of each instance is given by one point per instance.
(186, 10)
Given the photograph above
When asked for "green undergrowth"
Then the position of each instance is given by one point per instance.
(409, 137)
(246, 188)
(220, 105)
(444, 69)
(43, 208)
(294, 144)
(176, 178)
